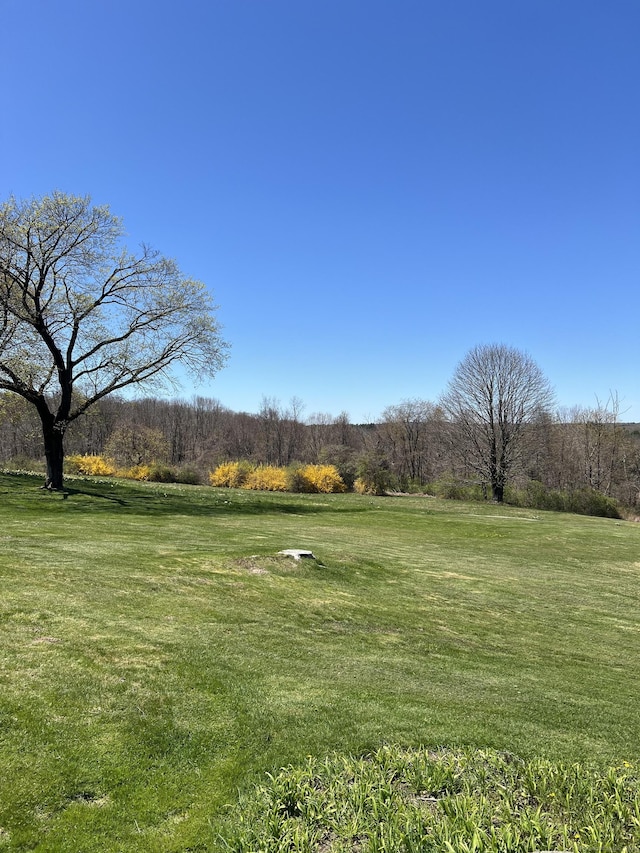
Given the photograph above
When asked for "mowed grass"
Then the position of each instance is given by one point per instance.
(156, 657)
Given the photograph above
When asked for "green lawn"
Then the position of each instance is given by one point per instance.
(156, 657)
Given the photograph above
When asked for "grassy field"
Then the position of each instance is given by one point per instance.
(156, 657)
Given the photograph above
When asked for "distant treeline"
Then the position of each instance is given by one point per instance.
(409, 448)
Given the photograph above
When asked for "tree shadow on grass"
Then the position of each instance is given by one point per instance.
(168, 504)
(119, 498)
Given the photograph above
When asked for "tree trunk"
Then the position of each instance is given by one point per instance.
(497, 490)
(53, 436)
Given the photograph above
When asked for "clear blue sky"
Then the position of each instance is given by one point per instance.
(369, 188)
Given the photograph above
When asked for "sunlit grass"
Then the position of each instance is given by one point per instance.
(156, 656)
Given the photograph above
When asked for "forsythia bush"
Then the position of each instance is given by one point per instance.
(365, 486)
(103, 466)
(230, 475)
(321, 478)
(270, 478)
(93, 466)
(137, 472)
(267, 478)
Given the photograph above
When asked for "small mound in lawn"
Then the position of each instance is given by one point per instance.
(258, 564)
(443, 800)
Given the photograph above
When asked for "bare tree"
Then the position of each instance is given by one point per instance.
(81, 317)
(495, 392)
(281, 430)
(599, 446)
(406, 431)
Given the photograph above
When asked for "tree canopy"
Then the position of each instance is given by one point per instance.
(82, 317)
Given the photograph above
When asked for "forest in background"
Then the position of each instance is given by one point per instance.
(411, 447)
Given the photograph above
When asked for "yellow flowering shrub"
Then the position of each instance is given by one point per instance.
(267, 478)
(361, 487)
(321, 478)
(93, 466)
(230, 475)
(136, 472)
(271, 478)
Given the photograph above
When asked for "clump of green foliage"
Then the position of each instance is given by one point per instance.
(451, 489)
(451, 801)
(534, 495)
(584, 501)
(374, 477)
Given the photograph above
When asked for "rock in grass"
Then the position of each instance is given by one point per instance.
(296, 553)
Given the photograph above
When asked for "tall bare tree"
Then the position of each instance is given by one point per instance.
(495, 393)
(81, 317)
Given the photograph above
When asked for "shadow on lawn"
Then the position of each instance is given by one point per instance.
(133, 499)
(168, 504)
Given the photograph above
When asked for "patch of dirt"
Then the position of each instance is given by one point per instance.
(258, 564)
(89, 798)
(326, 844)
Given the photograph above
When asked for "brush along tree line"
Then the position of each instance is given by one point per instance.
(231, 475)
(82, 319)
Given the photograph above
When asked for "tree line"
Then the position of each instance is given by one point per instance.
(83, 321)
(413, 446)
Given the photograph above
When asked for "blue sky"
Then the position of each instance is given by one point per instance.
(369, 188)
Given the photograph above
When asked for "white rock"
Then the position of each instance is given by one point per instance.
(296, 553)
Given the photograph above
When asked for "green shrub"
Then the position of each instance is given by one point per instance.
(161, 474)
(373, 477)
(591, 502)
(450, 489)
(24, 463)
(344, 459)
(583, 501)
(296, 481)
(456, 490)
(188, 476)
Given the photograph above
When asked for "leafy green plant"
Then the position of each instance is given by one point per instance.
(475, 801)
